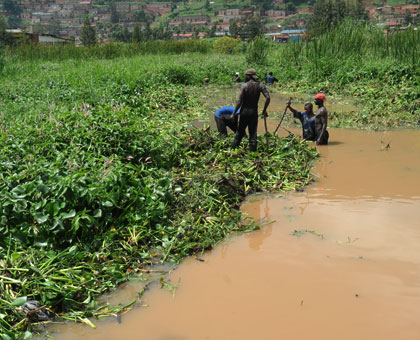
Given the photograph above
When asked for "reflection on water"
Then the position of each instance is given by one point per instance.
(360, 280)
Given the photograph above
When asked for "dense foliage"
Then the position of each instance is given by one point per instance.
(382, 72)
(102, 174)
(328, 14)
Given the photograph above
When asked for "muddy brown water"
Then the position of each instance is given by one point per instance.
(340, 260)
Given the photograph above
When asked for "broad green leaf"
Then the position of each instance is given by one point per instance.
(43, 188)
(7, 337)
(70, 214)
(41, 218)
(19, 301)
(97, 213)
(27, 335)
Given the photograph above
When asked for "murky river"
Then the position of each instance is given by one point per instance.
(340, 260)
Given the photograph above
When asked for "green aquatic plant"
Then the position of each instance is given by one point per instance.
(103, 175)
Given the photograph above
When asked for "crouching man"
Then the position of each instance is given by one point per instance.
(224, 118)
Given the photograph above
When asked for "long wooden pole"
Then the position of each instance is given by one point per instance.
(266, 130)
(284, 113)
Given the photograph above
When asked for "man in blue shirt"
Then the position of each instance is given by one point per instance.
(307, 118)
(270, 79)
(224, 118)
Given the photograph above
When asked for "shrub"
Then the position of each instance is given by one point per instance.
(226, 45)
(257, 51)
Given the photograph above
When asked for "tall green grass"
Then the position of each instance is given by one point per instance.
(355, 41)
(107, 51)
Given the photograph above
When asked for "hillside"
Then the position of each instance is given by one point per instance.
(203, 18)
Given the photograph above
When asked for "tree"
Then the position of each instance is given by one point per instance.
(126, 35)
(13, 10)
(264, 4)
(141, 16)
(53, 27)
(114, 13)
(407, 17)
(161, 32)
(88, 33)
(147, 32)
(254, 27)
(234, 29)
(290, 8)
(121, 33)
(5, 38)
(137, 34)
(330, 13)
(212, 31)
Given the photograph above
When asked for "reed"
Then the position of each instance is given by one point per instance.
(109, 50)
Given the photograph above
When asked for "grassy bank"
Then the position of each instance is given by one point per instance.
(101, 175)
(381, 73)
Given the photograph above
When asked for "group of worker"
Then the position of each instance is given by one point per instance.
(245, 113)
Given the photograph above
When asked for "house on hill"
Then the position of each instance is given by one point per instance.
(189, 19)
(160, 7)
(403, 9)
(222, 29)
(287, 36)
(182, 36)
(275, 13)
(38, 38)
(229, 14)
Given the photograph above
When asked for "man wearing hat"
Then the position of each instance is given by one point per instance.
(321, 119)
(248, 103)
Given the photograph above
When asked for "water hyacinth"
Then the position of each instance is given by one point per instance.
(102, 176)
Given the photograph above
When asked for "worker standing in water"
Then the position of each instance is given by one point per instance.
(321, 120)
(307, 119)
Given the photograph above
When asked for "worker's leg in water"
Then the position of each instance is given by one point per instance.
(240, 133)
(252, 129)
(324, 138)
(221, 126)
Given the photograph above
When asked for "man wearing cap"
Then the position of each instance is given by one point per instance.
(224, 117)
(321, 119)
(248, 104)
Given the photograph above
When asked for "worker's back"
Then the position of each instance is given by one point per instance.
(251, 91)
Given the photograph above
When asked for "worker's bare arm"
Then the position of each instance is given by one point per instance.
(266, 94)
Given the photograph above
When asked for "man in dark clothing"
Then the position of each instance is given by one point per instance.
(321, 120)
(270, 79)
(224, 118)
(307, 118)
(248, 103)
